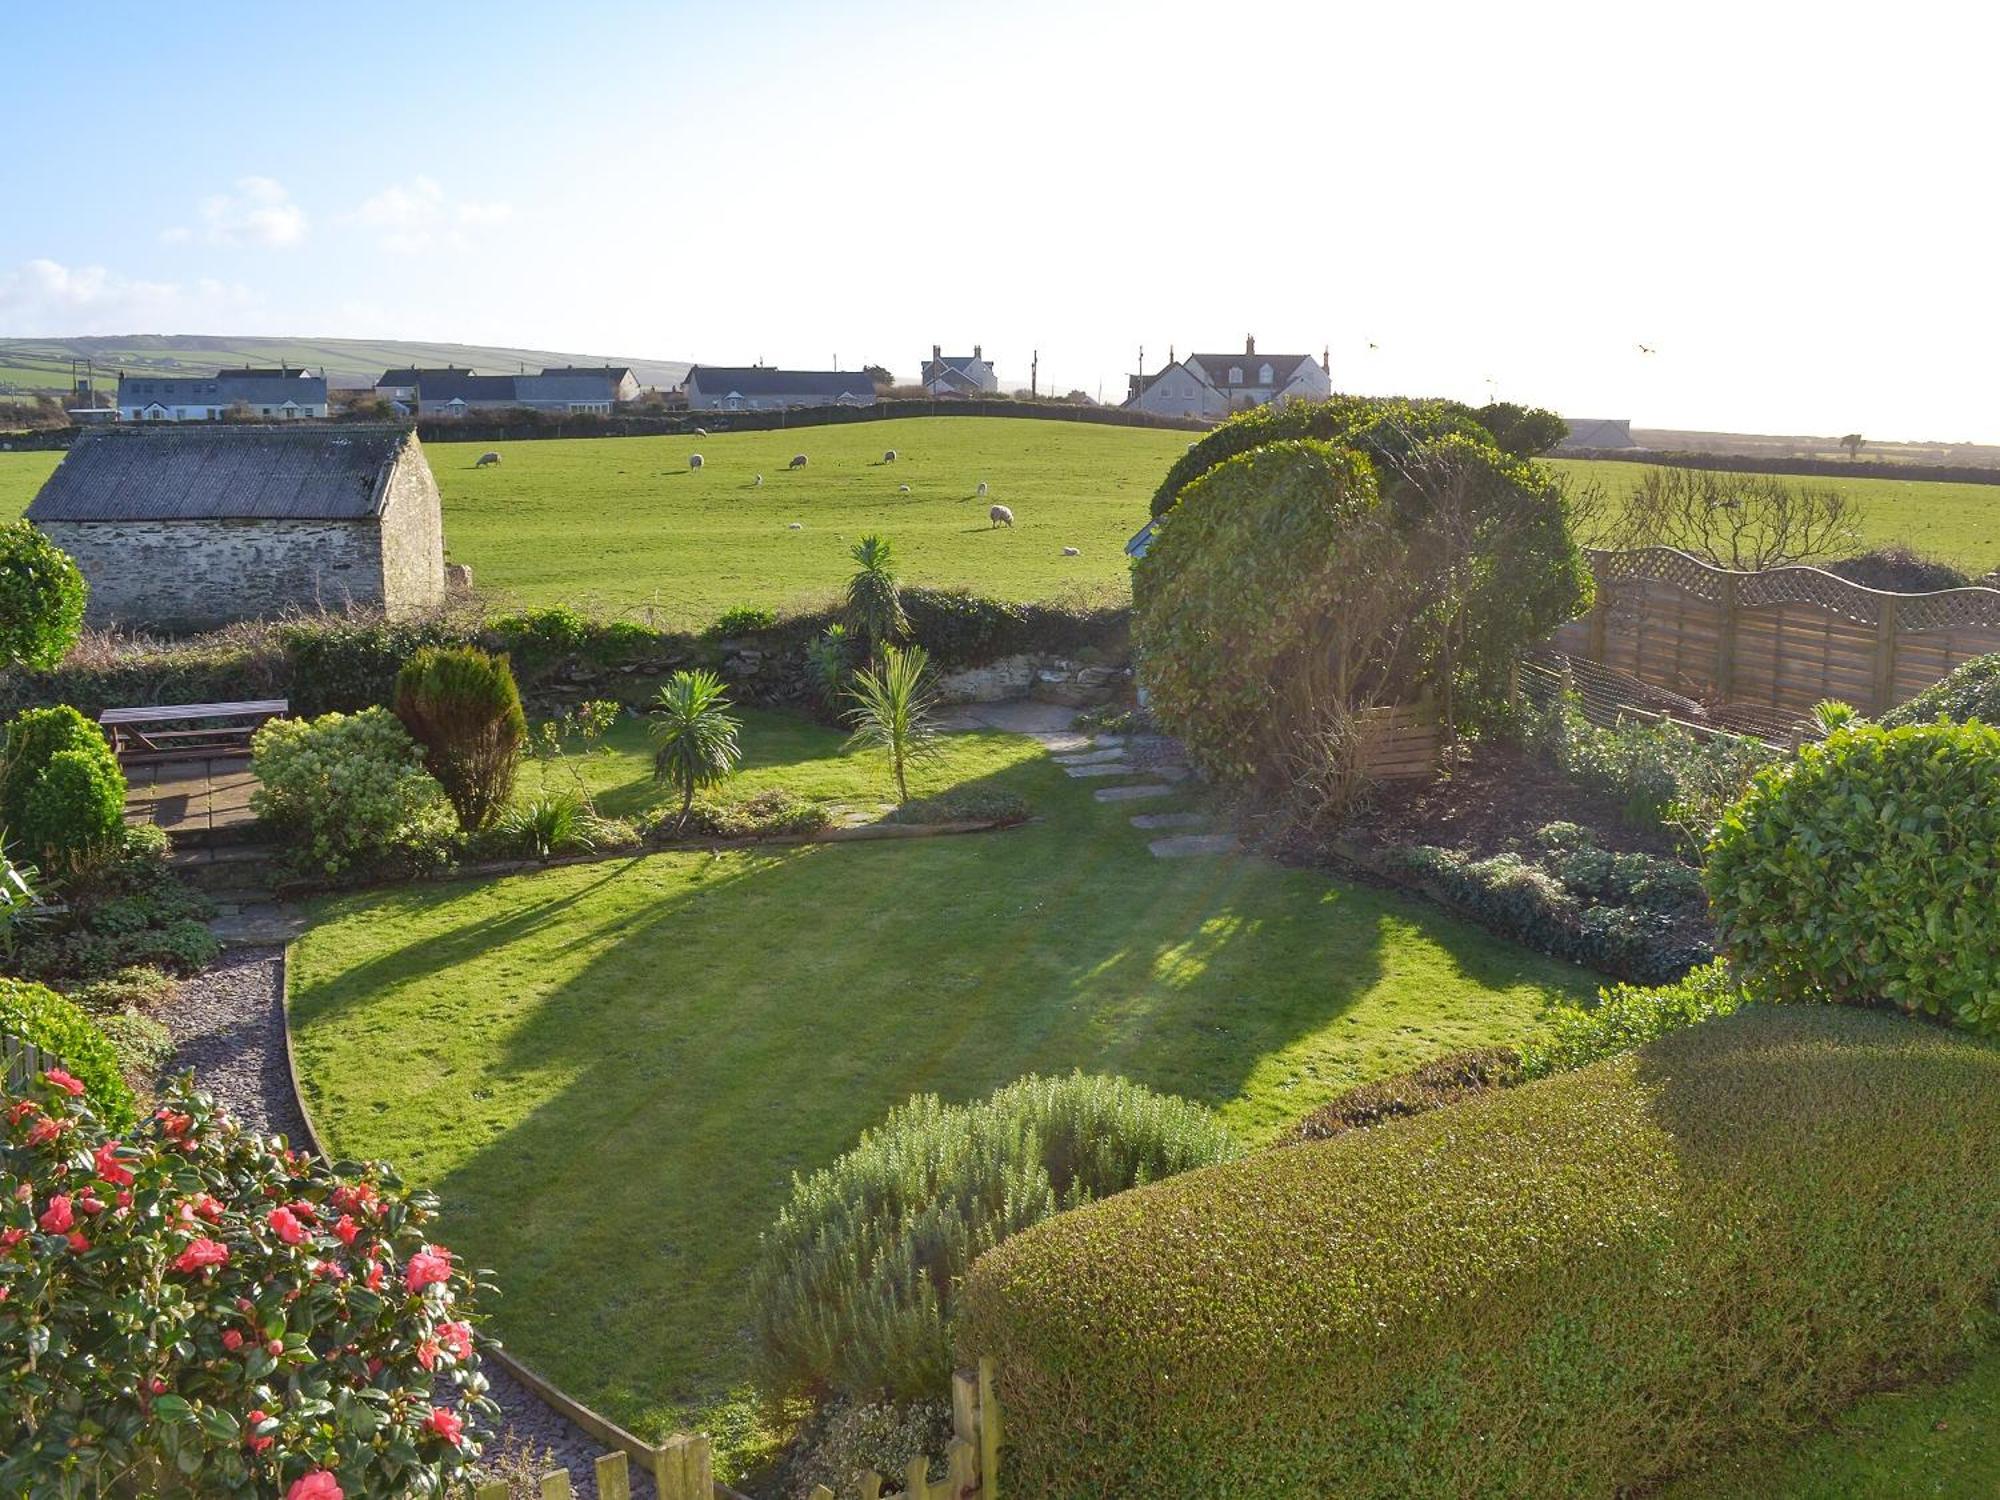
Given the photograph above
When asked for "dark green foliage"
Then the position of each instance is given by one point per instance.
(1666, 776)
(693, 734)
(1633, 915)
(1867, 872)
(551, 631)
(41, 599)
(1896, 569)
(62, 795)
(1523, 431)
(747, 619)
(1970, 691)
(1441, 1081)
(874, 604)
(545, 826)
(338, 665)
(135, 912)
(1627, 1016)
(36, 1014)
(828, 665)
(855, 1286)
(1574, 1287)
(961, 629)
(843, 1440)
(136, 988)
(141, 1043)
(462, 707)
(964, 805)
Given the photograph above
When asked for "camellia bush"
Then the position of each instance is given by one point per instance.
(1866, 872)
(42, 596)
(353, 784)
(189, 1310)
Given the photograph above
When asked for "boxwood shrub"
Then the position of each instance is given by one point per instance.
(1867, 872)
(1574, 1287)
(37, 1015)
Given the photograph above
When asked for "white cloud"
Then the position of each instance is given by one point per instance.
(411, 217)
(47, 297)
(258, 212)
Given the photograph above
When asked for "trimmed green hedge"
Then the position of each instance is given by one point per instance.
(1971, 691)
(35, 1014)
(1568, 1288)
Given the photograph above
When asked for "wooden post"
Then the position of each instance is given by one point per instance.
(820, 1492)
(555, 1485)
(1725, 641)
(989, 1433)
(493, 1489)
(871, 1485)
(1885, 656)
(962, 1466)
(1600, 614)
(917, 1479)
(614, 1479)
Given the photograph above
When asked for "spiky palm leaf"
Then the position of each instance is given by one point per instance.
(874, 600)
(694, 736)
(895, 712)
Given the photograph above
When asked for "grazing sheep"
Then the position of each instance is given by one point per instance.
(798, 461)
(981, 491)
(485, 459)
(999, 515)
(1071, 552)
(757, 481)
(796, 526)
(694, 460)
(889, 457)
(701, 432)
(902, 489)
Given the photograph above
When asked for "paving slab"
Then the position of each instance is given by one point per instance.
(263, 922)
(1048, 722)
(1090, 757)
(1183, 845)
(1131, 793)
(1170, 820)
(1105, 768)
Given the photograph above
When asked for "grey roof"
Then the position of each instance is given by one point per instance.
(584, 385)
(461, 385)
(225, 388)
(413, 376)
(1598, 432)
(758, 380)
(206, 472)
(616, 372)
(1217, 365)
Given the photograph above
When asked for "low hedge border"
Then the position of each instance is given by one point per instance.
(1577, 1286)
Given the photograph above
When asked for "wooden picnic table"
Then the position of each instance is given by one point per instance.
(172, 729)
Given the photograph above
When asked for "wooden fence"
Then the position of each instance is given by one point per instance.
(1786, 637)
(1400, 742)
(20, 1061)
(682, 1470)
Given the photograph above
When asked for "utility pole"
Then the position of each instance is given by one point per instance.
(1035, 374)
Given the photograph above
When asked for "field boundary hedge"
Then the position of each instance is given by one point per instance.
(1812, 468)
(1577, 1286)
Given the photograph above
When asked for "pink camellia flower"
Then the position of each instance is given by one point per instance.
(57, 1218)
(305, 1211)
(446, 1423)
(274, 1347)
(318, 1485)
(89, 1202)
(124, 1197)
(457, 1337)
(207, 1208)
(232, 1340)
(347, 1229)
(285, 1226)
(77, 1242)
(9, 1238)
(108, 1167)
(373, 1280)
(254, 1443)
(64, 1082)
(329, 1270)
(201, 1254)
(173, 1122)
(21, 1109)
(45, 1130)
(427, 1354)
(427, 1267)
(157, 1385)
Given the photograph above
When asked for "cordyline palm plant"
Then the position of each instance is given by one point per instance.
(694, 736)
(894, 711)
(874, 601)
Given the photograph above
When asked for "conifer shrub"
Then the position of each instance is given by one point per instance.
(1574, 1287)
(461, 705)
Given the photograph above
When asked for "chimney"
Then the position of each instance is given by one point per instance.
(1326, 359)
(1250, 344)
(937, 354)
(977, 353)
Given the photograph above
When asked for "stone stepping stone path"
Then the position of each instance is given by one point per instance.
(1131, 793)
(1183, 845)
(1091, 757)
(1170, 820)
(1104, 768)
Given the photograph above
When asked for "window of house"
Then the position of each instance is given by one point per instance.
(1235, 375)
(1264, 376)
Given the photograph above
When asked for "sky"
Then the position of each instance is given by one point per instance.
(1792, 207)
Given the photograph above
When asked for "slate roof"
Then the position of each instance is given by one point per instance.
(1217, 366)
(461, 385)
(207, 472)
(551, 385)
(225, 388)
(1598, 432)
(413, 376)
(615, 373)
(758, 380)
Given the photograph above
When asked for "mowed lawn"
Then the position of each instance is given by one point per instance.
(1957, 522)
(609, 1072)
(623, 524)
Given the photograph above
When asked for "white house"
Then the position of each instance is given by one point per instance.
(758, 388)
(959, 374)
(282, 394)
(1215, 385)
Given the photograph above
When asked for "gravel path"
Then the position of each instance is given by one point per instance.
(228, 1025)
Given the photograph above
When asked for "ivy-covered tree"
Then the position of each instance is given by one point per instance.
(42, 595)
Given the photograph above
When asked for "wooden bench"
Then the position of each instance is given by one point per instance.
(187, 729)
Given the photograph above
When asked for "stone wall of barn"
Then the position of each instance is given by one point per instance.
(191, 575)
(412, 537)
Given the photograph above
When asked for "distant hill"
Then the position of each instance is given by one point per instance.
(1775, 446)
(31, 365)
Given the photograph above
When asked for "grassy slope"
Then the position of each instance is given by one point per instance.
(1957, 522)
(1938, 1441)
(45, 363)
(610, 1071)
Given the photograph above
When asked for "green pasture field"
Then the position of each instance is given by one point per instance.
(610, 1071)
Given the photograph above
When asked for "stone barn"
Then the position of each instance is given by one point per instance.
(181, 528)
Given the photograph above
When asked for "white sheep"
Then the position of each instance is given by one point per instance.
(798, 461)
(755, 483)
(999, 515)
(485, 459)
(701, 432)
(694, 460)
(902, 489)
(889, 457)
(981, 491)
(796, 526)
(1071, 552)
